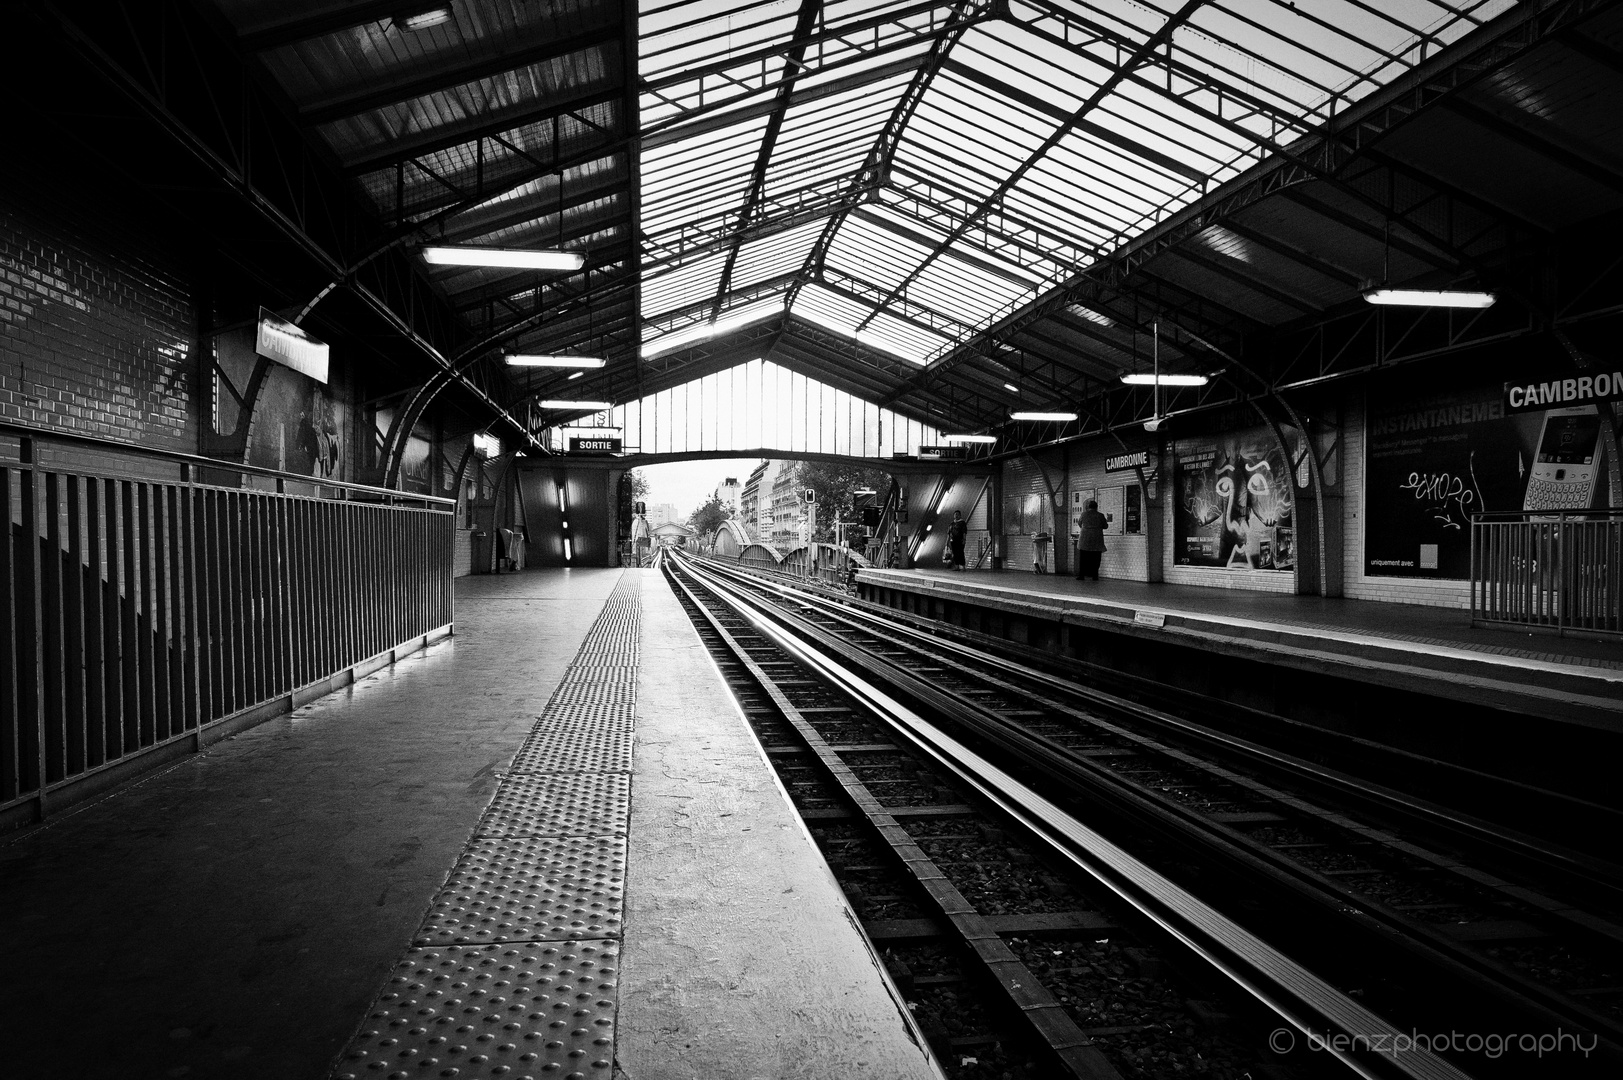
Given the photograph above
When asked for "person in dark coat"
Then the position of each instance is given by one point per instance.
(1090, 542)
(956, 532)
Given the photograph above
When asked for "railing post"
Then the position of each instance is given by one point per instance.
(30, 713)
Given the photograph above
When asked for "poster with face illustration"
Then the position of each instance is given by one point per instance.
(1234, 503)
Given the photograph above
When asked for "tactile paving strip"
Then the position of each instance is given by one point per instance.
(531, 889)
(516, 978)
(557, 745)
(507, 1011)
(579, 692)
(558, 804)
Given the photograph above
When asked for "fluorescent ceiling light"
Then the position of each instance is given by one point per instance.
(970, 438)
(1058, 416)
(1011, 388)
(524, 360)
(1430, 297)
(577, 374)
(1145, 378)
(422, 20)
(591, 406)
(512, 258)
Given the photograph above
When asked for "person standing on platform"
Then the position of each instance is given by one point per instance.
(956, 532)
(1090, 541)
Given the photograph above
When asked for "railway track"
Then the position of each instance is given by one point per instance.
(1022, 745)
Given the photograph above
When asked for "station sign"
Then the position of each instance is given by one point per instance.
(944, 453)
(1587, 389)
(286, 344)
(1135, 459)
(594, 444)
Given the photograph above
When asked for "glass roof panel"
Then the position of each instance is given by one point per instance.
(1014, 167)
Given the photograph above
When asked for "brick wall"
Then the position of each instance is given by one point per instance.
(1455, 594)
(96, 326)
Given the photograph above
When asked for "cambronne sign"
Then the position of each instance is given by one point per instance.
(1559, 393)
(285, 343)
(1136, 459)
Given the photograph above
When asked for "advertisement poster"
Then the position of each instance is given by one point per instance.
(1234, 502)
(1432, 461)
(1110, 505)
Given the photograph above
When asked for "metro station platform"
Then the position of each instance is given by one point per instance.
(1565, 679)
(547, 846)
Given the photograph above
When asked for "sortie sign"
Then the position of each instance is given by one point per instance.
(596, 444)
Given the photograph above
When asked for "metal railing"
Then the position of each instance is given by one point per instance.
(1562, 572)
(136, 613)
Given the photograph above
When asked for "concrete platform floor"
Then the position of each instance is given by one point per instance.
(233, 915)
(237, 914)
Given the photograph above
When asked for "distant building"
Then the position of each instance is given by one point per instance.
(728, 493)
(660, 513)
(788, 512)
(755, 500)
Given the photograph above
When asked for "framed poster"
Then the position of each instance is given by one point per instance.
(1133, 511)
(1233, 502)
(1079, 499)
(1112, 506)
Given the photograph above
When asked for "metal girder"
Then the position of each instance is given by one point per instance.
(244, 140)
(1140, 56)
(435, 139)
(724, 114)
(793, 62)
(420, 84)
(902, 309)
(876, 164)
(1047, 108)
(602, 187)
(1308, 260)
(293, 31)
(1587, 167)
(777, 213)
(1221, 268)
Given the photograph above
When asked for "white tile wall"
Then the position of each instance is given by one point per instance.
(1126, 555)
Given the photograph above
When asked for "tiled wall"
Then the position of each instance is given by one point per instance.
(96, 327)
(1126, 554)
(1392, 589)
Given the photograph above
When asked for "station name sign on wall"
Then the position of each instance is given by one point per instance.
(593, 444)
(1562, 393)
(286, 344)
(1136, 459)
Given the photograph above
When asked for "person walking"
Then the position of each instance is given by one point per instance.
(1090, 541)
(956, 532)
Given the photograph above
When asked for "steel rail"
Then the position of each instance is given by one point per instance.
(1297, 996)
(1469, 972)
(1059, 1032)
(1579, 868)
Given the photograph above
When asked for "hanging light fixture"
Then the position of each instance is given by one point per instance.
(1450, 298)
(503, 258)
(1057, 417)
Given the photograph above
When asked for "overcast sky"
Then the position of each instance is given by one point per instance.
(689, 483)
